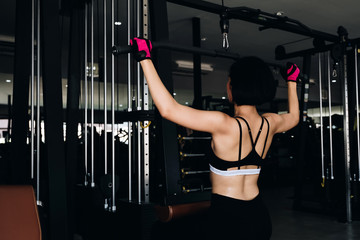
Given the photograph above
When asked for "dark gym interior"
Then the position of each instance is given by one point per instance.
(78, 125)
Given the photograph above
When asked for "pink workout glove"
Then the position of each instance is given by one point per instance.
(292, 72)
(141, 48)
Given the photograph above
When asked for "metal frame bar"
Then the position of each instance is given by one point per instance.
(32, 129)
(321, 119)
(347, 142)
(86, 13)
(138, 104)
(38, 118)
(330, 119)
(146, 151)
(92, 94)
(106, 205)
(310, 51)
(167, 144)
(105, 90)
(196, 40)
(129, 106)
(113, 208)
(268, 20)
(21, 94)
(52, 96)
(357, 106)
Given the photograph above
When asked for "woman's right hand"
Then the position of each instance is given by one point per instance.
(141, 48)
(292, 72)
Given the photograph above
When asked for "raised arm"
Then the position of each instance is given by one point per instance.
(206, 121)
(284, 122)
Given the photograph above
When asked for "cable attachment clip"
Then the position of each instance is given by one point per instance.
(224, 26)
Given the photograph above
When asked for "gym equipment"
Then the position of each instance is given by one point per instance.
(330, 118)
(171, 212)
(92, 130)
(185, 180)
(357, 106)
(85, 94)
(321, 120)
(35, 121)
(129, 102)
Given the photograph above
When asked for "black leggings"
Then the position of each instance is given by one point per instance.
(231, 218)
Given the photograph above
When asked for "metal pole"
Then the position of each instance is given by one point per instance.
(92, 95)
(32, 84)
(86, 93)
(105, 92)
(330, 119)
(138, 108)
(357, 106)
(129, 104)
(146, 107)
(38, 119)
(106, 205)
(113, 108)
(347, 143)
(321, 120)
(138, 5)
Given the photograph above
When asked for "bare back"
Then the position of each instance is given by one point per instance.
(226, 146)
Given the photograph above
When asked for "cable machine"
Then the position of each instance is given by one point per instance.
(156, 175)
(338, 46)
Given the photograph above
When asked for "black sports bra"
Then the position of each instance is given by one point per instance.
(253, 158)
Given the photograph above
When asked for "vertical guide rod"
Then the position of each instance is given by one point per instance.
(347, 142)
(86, 93)
(113, 107)
(38, 119)
(146, 107)
(106, 205)
(32, 86)
(92, 95)
(129, 103)
(321, 121)
(330, 119)
(138, 23)
(357, 107)
(139, 130)
(105, 92)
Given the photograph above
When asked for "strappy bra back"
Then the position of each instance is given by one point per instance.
(220, 166)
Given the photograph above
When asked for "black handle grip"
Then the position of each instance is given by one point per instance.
(116, 50)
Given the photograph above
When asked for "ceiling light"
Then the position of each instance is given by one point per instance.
(223, 98)
(118, 23)
(190, 65)
(8, 80)
(174, 93)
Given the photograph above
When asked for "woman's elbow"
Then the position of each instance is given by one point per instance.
(165, 112)
(296, 119)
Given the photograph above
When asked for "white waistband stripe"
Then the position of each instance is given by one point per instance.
(235, 172)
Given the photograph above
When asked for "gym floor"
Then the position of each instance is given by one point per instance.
(288, 224)
(296, 225)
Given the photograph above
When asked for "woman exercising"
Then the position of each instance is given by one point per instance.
(239, 143)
